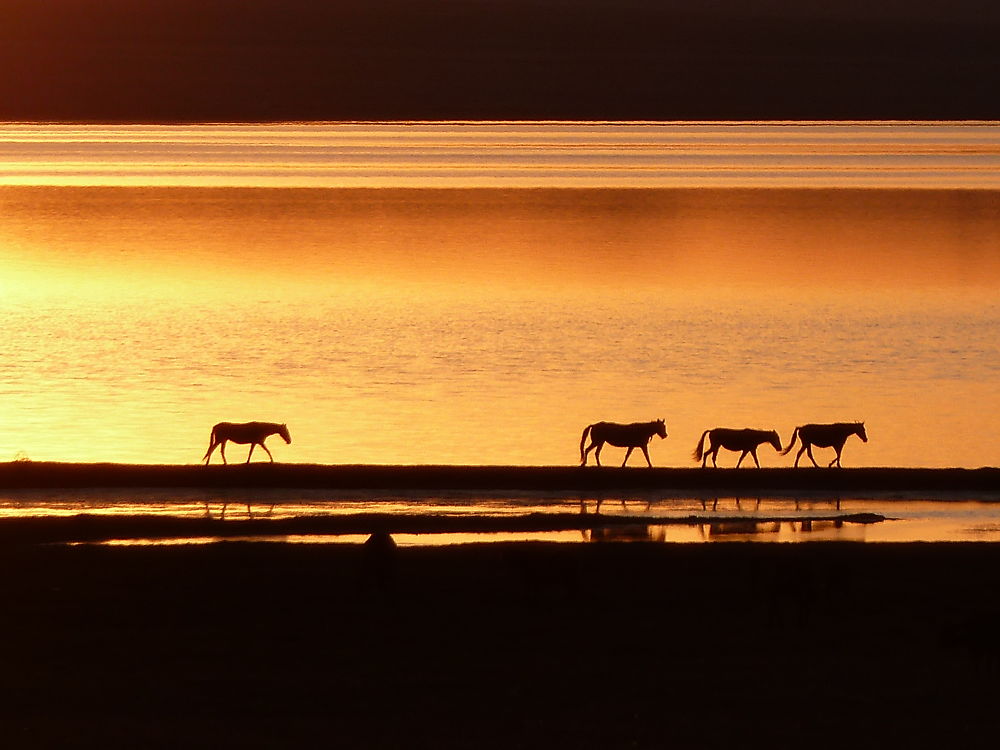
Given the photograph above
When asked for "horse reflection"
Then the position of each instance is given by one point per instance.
(715, 503)
(225, 505)
(746, 441)
(630, 436)
(625, 533)
(741, 527)
(247, 432)
(825, 436)
(811, 503)
(597, 504)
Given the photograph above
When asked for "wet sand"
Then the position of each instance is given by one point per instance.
(42, 475)
(503, 645)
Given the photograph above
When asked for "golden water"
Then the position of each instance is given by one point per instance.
(478, 294)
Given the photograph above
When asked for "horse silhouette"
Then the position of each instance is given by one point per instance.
(825, 436)
(734, 440)
(247, 432)
(631, 436)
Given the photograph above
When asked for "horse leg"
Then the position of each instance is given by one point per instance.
(222, 451)
(267, 452)
(211, 449)
(809, 451)
(252, 446)
(597, 453)
(799, 454)
(742, 456)
(837, 448)
(715, 455)
(627, 454)
(646, 454)
(753, 453)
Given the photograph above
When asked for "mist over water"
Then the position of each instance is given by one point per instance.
(489, 326)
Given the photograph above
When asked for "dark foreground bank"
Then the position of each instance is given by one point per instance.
(44, 475)
(593, 646)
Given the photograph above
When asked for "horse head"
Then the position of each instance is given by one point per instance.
(859, 430)
(660, 428)
(283, 431)
(774, 440)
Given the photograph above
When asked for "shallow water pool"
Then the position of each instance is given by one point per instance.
(657, 518)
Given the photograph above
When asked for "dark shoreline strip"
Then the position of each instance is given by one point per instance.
(50, 475)
(99, 528)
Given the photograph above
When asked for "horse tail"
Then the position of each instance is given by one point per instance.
(583, 439)
(211, 443)
(791, 442)
(700, 450)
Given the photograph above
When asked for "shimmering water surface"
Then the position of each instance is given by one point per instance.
(478, 293)
(508, 154)
(657, 518)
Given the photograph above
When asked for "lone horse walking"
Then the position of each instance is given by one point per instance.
(247, 432)
(734, 440)
(825, 436)
(631, 436)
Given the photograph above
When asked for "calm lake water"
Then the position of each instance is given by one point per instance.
(653, 517)
(478, 293)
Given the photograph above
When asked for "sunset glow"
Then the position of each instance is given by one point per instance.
(424, 373)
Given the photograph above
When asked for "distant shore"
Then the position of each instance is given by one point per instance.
(26, 475)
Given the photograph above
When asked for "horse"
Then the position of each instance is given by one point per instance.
(631, 436)
(248, 432)
(734, 440)
(825, 436)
